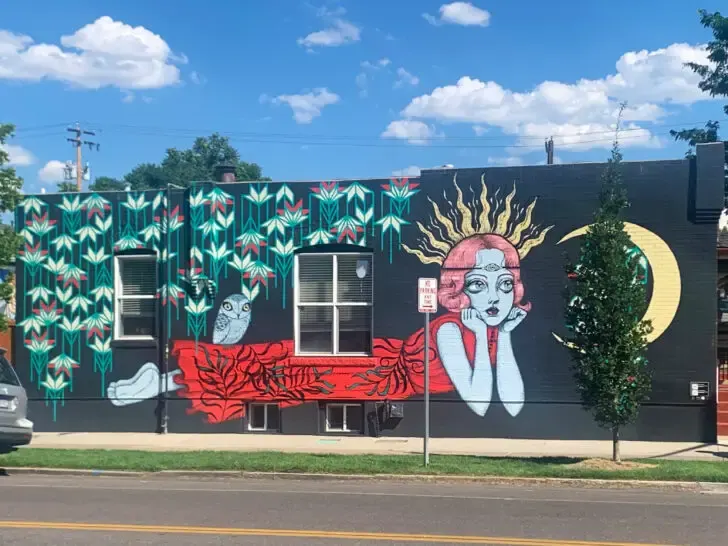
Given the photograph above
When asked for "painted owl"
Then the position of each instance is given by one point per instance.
(233, 319)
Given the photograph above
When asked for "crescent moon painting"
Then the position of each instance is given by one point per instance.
(666, 282)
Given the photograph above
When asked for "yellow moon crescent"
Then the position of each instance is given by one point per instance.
(666, 283)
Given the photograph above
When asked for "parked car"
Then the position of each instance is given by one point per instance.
(15, 428)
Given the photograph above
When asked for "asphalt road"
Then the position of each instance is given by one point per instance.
(39, 510)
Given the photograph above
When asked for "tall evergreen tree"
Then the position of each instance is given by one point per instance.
(605, 306)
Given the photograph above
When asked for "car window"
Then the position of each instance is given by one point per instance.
(7, 374)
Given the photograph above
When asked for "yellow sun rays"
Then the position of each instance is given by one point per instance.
(481, 215)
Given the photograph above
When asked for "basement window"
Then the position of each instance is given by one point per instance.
(264, 417)
(344, 417)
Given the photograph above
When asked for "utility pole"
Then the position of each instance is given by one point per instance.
(79, 141)
(550, 151)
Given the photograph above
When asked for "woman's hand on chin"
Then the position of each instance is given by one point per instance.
(514, 318)
(474, 322)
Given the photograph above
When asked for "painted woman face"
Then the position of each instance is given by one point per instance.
(489, 285)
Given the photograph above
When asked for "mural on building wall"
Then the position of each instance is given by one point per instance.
(479, 245)
(64, 314)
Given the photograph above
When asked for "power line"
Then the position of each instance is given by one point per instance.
(565, 140)
(400, 144)
(200, 131)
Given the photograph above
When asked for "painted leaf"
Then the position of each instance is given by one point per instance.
(103, 224)
(103, 293)
(251, 294)
(197, 199)
(58, 266)
(32, 204)
(63, 295)
(275, 224)
(320, 237)
(64, 241)
(79, 302)
(365, 216)
(55, 384)
(31, 323)
(284, 192)
(96, 256)
(225, 221)
(87, 232)
(40, 292)
(70, 204)
(391, 221)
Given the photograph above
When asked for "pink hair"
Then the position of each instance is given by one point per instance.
(462, 258)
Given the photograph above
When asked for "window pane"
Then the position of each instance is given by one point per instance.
(257, 416)
(354, 416)
(354, 278)
(316, 329)
(355, 329)
(274, 419)
(138, 307)
(315, 279)
(138, 276)
(335, 417)
(137, 326)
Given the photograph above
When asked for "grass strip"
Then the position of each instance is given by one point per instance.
(441, 465)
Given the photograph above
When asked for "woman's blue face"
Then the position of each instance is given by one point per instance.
(489, 285)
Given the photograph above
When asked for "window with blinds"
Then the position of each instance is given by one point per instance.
(136, 303)
(334, 297)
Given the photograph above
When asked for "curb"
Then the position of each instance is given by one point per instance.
(488, 480)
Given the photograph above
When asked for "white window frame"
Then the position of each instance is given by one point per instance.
(334, 304)
(345, 428)
(265, 428)
(118, 295)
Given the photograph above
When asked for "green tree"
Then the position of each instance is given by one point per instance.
(67, 187)
(607, 336)
(10, 196)
(714, 78)
(196, 164)
(107, 183)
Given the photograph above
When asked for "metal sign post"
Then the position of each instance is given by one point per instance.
(427, 303)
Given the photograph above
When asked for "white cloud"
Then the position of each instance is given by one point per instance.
(362, 82)
(376, 65)
(460, 13)
(340, 32)
(650, 81)
(197, 78)
(52, 171)
(306, 106)
(508, 161)
(102, 53)
(17, 155)
(414, 132)
(479, 130)
(412, 170)
(405, 78)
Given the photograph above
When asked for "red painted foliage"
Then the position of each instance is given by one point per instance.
(220, 380)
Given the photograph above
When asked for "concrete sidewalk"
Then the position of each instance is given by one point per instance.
(383, 446)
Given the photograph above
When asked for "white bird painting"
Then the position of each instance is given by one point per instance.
(233, 319)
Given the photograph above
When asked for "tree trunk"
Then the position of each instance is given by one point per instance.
(616, 455)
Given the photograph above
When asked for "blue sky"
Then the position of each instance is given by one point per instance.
(408, 84)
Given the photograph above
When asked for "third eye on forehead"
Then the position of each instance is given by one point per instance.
(490, 259)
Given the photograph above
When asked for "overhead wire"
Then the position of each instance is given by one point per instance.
(253, 137)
